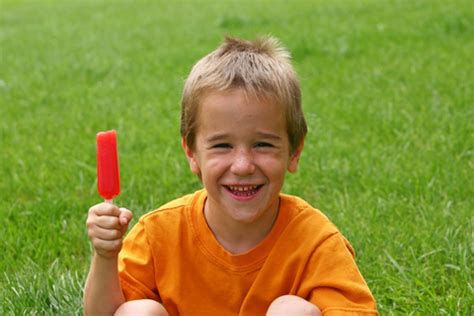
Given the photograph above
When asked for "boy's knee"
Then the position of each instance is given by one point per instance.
(141, 307)
(292, 305)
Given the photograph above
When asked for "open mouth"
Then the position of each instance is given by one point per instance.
(243, 190)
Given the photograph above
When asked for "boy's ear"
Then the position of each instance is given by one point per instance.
(295, 157)
(191, 157)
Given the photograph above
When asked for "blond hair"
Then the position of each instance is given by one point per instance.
(261, 67)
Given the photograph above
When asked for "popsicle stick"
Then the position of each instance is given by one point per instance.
(109, 201)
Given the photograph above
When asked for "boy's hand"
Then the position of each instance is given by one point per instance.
(106, 226)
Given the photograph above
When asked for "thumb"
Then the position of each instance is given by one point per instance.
(125, 216)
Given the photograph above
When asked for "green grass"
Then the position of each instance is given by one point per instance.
(388, 94)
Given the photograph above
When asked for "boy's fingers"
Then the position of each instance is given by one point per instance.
(125, 216)
(105, 209)
(107, 245)
(108, 222)
(106, 234)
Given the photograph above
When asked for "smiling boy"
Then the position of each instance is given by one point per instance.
(241, 155)
(239, 246)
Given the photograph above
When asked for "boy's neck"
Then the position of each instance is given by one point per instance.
(239, 237)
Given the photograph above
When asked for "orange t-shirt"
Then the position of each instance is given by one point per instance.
(172, 256)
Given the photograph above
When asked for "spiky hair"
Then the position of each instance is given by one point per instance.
(261, 67)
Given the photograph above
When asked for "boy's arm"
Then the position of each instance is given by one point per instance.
(102, 293)
(106, 225)
(338, 286)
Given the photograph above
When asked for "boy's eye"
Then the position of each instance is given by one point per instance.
(221, 145)
(263, 144)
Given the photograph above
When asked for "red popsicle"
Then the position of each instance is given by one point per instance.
(108, 175)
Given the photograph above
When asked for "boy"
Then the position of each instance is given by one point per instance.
(239, 246)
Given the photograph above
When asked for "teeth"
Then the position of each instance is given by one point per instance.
(243, 188)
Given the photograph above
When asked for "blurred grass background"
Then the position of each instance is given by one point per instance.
(387, 91)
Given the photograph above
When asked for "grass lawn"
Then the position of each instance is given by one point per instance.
(388, 94)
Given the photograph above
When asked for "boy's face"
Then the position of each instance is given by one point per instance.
(241, 153)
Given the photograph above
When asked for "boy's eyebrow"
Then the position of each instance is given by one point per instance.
(222, 136)
(269, 135)
(216, 137)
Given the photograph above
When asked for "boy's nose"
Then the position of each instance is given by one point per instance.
(243, 164)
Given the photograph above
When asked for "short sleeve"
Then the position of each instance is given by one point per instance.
(338, 287)
(136, 268)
